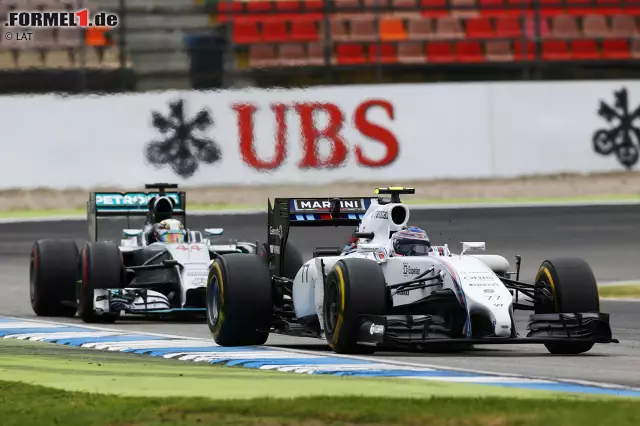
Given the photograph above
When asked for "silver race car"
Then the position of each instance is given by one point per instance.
(389, 287)
(158, 268)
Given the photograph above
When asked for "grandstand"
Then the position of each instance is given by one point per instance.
(186, 43)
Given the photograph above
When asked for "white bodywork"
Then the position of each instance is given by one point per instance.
(194, 257)
(471, 277)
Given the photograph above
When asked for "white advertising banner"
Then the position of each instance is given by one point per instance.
(319, 135)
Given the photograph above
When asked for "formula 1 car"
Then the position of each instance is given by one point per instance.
(368, 298)
(134, 276)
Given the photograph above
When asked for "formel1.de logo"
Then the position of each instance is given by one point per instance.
(61, 19)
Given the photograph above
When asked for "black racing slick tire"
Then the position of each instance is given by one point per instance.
(52, 278)
(574, 289)
(100, 266)
(293, 260)
(239, 300)
(353, 287)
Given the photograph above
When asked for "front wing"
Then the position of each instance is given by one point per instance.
(542, 328)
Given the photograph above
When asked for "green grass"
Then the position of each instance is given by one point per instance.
(625, 291)
(22, 404)
(80, 369)
(46, 384)
(220, 207)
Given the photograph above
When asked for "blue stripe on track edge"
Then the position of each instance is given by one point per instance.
(317, 365)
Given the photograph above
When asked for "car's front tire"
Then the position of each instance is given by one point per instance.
(574, 289)
(100, 266)
(239, 300)
(353, 287)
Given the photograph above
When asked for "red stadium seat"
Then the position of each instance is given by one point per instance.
(439, 51)
(304, 30)
(245, 32)
(494, 8)
(480, 28)
(522, 52)
(609, 7)
(434, 8)
(580, 7)
(274, 31)
(469, 51)
(555, 50)
(551, 7)
(229, 11)
(386, 53)
(349, 54)
(615, 49)
(508, 27)
(584, 49)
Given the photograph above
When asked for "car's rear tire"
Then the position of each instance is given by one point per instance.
(239, 300)
(293, 260)
(353, 287)
(574, 289)
(100, 266)
(52, 278)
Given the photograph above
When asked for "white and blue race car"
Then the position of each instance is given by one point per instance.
(368, 295)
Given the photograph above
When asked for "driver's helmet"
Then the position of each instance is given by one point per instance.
(410, 241)
(170, 231)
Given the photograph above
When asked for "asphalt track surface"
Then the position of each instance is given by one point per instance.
(607, 237)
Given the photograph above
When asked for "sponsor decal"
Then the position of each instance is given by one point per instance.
(621, 136)
(376, 329)
(198, 274)
(403, 293)
(130, 199)
(276, 231)
(182, 247)
(488, 290)
(409, 270)
(478, 276)
(346, 205)
(274, 249)
(482, 284)
(321, 123)
(381, 254)
(186, 143)
(381, 214)
(201, 282)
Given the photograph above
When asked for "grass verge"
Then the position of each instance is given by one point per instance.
(80, 369)
(630, 291)
(41, 384)
(22, 404)
(25, 214)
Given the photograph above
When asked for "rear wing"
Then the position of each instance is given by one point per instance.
(288, 212)
(127, 205)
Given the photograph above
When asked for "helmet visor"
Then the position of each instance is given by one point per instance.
(171, 237)
(411, 247)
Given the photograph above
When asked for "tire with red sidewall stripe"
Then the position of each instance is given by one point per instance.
(52, 278)
(353, 287)
(100, 266)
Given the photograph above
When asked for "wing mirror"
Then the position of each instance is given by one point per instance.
(213, 231)
(466, 246)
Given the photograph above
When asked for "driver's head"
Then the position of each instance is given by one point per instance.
(162, 209)
(410, 241)
(170, 231)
